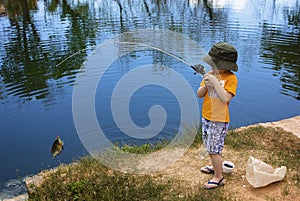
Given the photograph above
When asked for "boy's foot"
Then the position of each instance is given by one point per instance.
(207, 170)
(212, 185)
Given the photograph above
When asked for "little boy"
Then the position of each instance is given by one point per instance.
(218, 87)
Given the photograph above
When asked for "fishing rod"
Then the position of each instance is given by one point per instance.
(197, 68)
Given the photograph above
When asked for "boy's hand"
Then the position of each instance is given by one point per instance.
(210, 80)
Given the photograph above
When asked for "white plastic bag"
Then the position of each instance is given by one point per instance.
(260, 174)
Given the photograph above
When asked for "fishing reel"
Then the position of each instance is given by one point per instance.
(198, 68)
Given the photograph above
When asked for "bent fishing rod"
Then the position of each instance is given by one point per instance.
(197, 68)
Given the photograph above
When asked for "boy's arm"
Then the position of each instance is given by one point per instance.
(223, 95)
(202, 91)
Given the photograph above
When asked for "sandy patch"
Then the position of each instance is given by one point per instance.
(291, 125)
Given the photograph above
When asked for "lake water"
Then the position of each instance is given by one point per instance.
(36, 93)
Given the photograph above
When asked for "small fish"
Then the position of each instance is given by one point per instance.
(57, 147)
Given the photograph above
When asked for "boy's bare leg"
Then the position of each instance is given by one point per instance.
(217, 180)
(217, 166)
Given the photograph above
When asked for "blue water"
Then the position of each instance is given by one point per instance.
(36, 95)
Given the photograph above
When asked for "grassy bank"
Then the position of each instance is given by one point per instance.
(87, 179)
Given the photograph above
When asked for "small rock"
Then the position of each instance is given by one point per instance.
(34, 181)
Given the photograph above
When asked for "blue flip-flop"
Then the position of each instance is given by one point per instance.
(215, 184)
(207, 170)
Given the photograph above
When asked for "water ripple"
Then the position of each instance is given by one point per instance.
(12, 188)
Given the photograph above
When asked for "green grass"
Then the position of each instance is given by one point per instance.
(144, 148)
(277, 147)
(87, 179)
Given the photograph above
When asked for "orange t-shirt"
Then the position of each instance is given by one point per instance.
(213, 108)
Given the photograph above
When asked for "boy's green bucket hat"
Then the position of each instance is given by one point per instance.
(223, 56)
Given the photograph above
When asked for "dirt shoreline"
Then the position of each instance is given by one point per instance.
(291, 125)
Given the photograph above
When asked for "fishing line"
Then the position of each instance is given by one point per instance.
(72, 55)
(197, 68)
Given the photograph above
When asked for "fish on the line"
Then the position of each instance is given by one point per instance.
(57, 147)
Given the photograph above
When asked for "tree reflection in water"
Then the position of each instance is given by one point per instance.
(34, 42)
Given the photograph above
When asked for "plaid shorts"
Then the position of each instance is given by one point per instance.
(213, 135)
